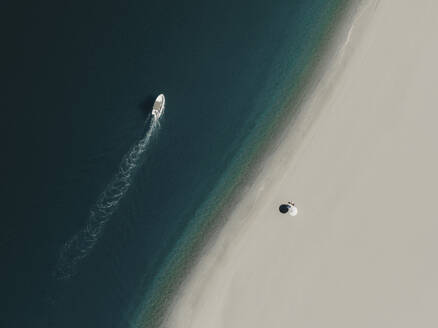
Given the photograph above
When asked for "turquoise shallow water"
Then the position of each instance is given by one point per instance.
(81, 80)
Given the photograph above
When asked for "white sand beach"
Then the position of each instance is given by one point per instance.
(361, 163)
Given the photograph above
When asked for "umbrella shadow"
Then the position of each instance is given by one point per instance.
(284, 208)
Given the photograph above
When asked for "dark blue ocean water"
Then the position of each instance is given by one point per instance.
(79, 81)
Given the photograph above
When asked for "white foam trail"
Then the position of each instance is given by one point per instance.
(80, 245)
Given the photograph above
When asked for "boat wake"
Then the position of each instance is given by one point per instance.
(81, 244)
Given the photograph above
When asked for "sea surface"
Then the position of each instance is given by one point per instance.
(99, 197)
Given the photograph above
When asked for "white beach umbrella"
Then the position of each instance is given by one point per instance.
(293, 211)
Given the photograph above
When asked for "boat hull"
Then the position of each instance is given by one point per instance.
(158, 108)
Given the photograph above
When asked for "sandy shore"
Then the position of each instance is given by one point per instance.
(360, 162)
